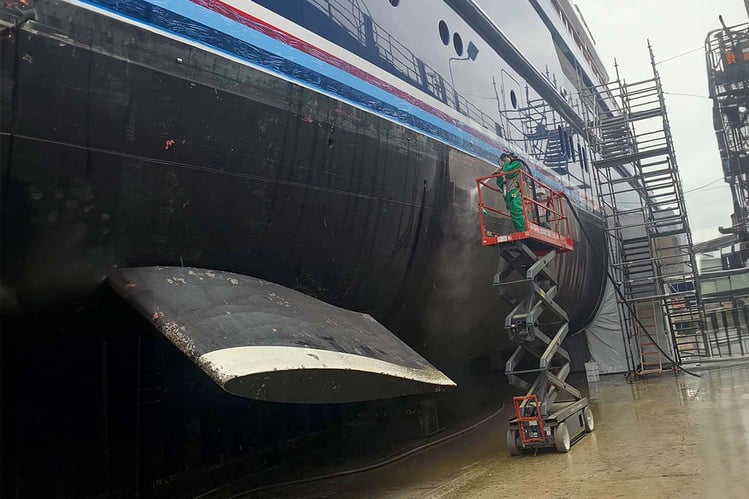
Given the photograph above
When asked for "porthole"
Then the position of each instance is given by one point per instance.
(395, 3)
(444, 33)
(458, 44)
(513, 99)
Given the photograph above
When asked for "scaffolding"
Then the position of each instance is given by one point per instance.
(649, 239)
(727, 58)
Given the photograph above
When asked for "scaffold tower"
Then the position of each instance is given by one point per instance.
(727, 58)
(649, 239)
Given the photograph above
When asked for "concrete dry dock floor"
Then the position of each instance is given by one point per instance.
(669, 436)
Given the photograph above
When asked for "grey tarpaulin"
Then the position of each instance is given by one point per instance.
(604, 335)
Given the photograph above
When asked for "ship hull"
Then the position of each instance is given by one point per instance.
(122, 147)
(127, 148)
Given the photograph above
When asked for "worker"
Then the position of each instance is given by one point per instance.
(510, 185)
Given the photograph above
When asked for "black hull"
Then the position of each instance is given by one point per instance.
(125, 148)
(122, 148)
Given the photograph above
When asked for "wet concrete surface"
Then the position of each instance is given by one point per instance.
(668, 436)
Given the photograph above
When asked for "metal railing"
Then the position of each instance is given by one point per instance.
(349, 16)
(543, 210)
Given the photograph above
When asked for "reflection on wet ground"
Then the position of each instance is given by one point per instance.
(669, 436)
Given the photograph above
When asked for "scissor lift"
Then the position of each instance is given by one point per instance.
(539, 365)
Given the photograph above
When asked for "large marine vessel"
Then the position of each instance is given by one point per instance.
(327, 146)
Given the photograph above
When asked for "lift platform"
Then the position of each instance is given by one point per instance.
(552, 413)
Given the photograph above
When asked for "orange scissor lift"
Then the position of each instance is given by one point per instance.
(552, 413)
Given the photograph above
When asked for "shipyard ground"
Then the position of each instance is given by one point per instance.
(661, 437)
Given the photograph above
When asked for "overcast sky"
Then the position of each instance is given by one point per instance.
(621, 30)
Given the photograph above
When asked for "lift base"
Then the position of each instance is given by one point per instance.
(539, 325)
(568, 423)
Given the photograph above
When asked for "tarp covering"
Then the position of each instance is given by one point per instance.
(260, 340)
(604, 335)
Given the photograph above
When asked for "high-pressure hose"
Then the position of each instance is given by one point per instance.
(618, 291)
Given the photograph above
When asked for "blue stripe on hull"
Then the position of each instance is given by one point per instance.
(200, 24)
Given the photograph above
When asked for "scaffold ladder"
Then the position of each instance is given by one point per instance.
(651, 359)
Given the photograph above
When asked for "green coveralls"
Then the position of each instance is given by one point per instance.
(513, 199)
